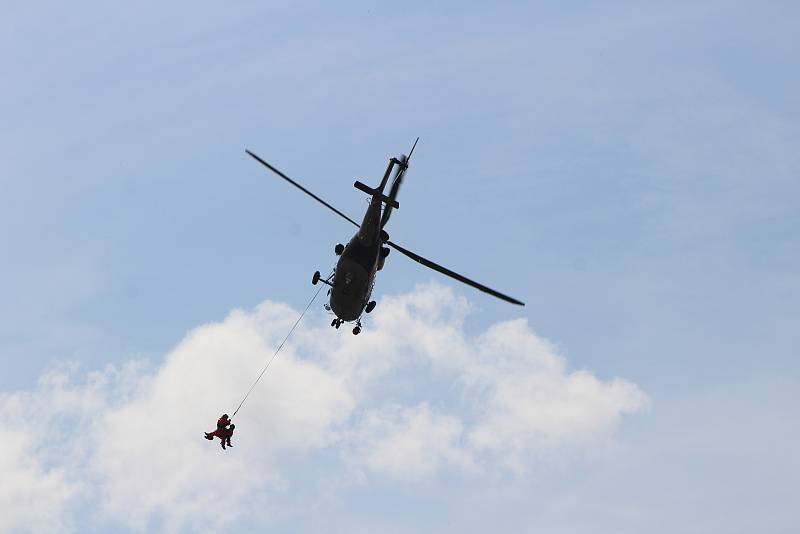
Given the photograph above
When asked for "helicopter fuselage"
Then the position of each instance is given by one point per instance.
(357, 266)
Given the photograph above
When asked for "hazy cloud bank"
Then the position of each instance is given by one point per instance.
(413, 397)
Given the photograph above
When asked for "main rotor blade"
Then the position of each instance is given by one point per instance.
(301, 188)
(451, 274)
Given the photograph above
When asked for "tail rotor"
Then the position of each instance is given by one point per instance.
(397, 182)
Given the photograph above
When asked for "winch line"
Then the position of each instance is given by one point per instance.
(264, 370)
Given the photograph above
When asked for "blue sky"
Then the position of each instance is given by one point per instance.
(630, 171)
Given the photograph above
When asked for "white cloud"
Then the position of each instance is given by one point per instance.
(30, 494)
(533, 402)
(410, 442)
(412, 397)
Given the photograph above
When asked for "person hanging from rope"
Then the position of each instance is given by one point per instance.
(224, 431)
(225, 428)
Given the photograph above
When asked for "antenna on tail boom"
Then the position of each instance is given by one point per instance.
(412, 151)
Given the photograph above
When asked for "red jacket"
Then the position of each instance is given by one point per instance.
(222, 422)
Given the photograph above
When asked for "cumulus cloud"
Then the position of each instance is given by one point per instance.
(30, 494)
(412, 397)
(410, 442)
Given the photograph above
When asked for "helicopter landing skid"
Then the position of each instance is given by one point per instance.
(318, 278)
(336, 323)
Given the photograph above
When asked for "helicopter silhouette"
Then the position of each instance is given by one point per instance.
(353, 278)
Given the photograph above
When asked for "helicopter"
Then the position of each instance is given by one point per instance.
(353, 279)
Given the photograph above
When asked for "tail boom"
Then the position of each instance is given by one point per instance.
(376, 193)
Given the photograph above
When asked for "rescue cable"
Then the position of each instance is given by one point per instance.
(264, 370)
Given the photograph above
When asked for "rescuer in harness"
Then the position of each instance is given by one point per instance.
(224, 431)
